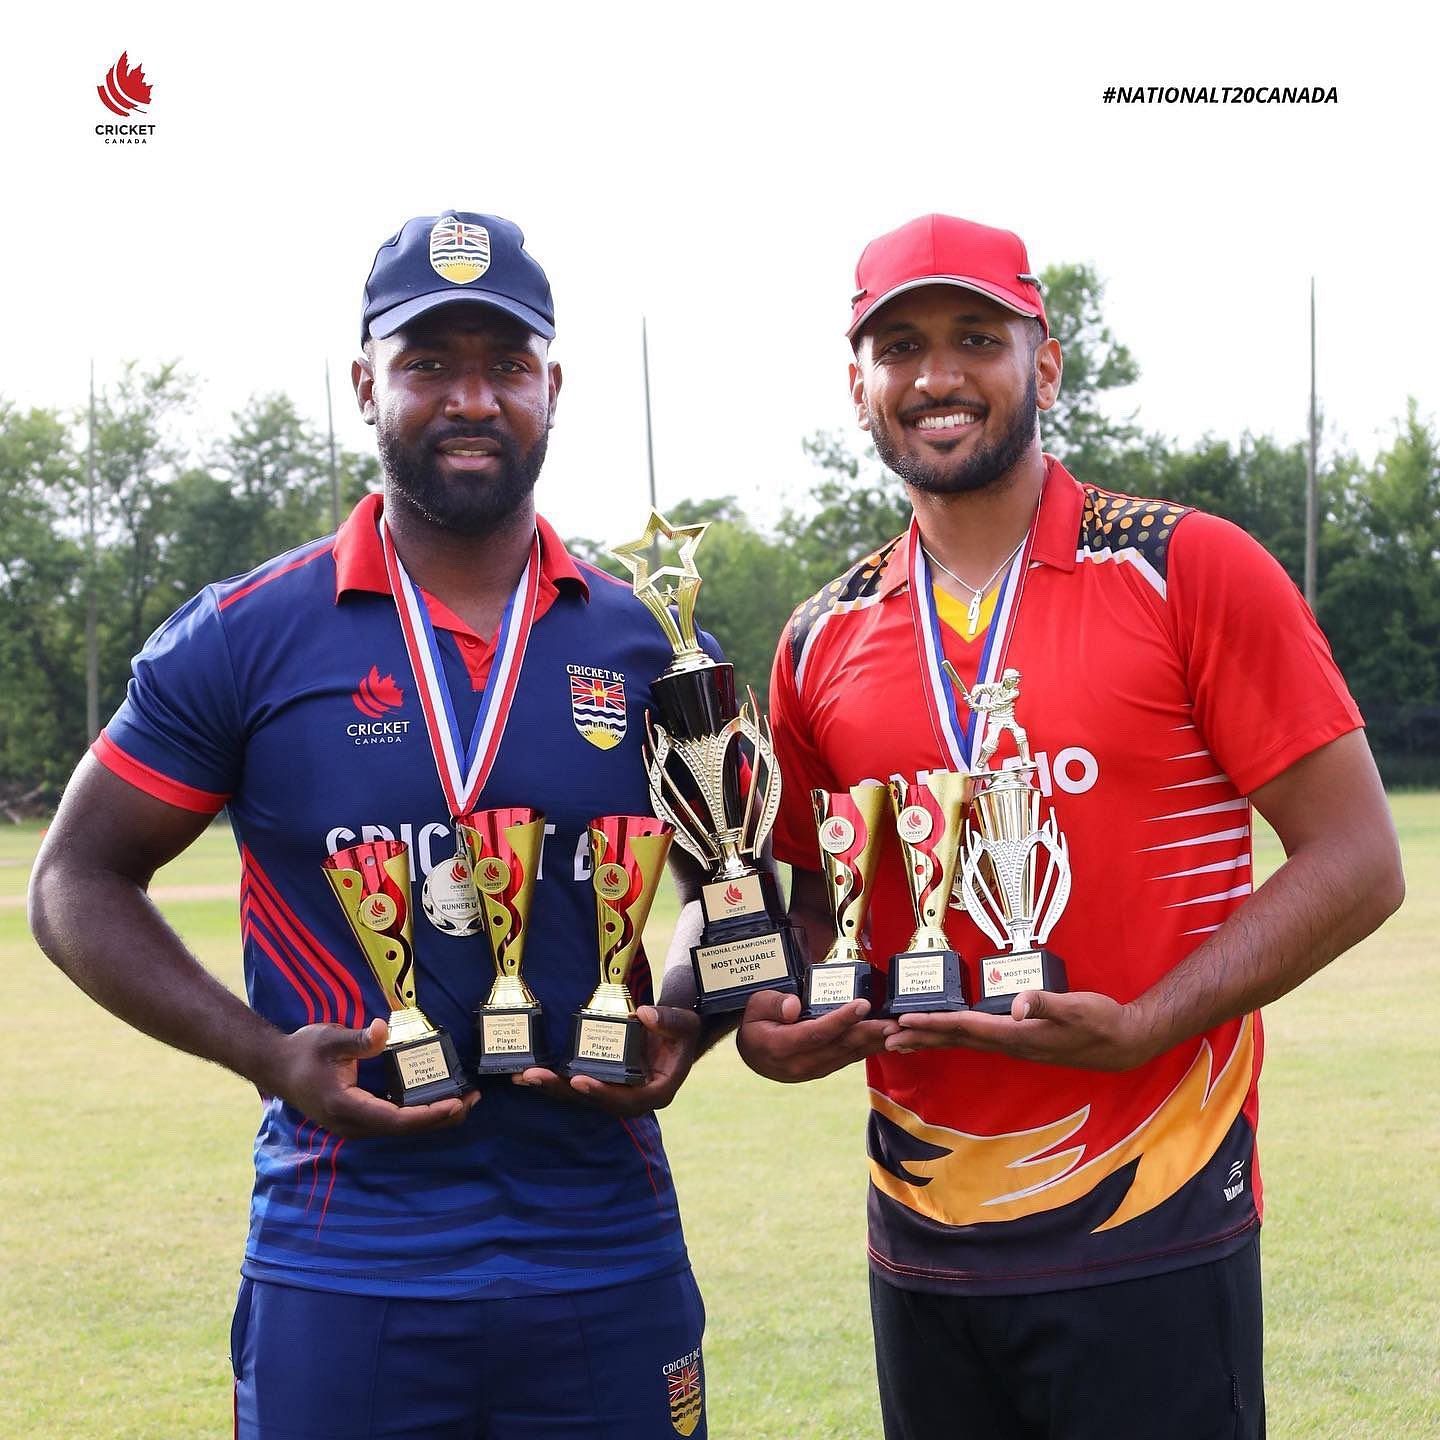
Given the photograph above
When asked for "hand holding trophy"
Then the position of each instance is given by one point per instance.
(713, 777)
(851, 838)
(503, 851)
(627, 858)
(372, 884)
(1001, 883)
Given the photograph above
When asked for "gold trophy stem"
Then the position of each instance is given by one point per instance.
(509, 992)
(844, 951)
(408, 1024)
(929, 937)
(611, 999)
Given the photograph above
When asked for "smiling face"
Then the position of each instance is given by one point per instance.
(462, 400)
(948, 384)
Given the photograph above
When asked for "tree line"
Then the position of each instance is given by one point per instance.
(100, 539)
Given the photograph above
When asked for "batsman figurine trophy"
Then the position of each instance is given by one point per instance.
(928, 975)
(713, 777)
(503, 849)
(627, 858)
(372, 884)
(851, 838)
(1001, 883)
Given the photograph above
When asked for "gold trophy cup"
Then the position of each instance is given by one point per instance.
(627, 856)
(928, 975)
(372, 884)
(503, 850)
(849, 824)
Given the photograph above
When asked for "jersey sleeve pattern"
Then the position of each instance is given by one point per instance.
(178, 733)
(1266, 689)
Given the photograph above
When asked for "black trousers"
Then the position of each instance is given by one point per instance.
(1170, 1357)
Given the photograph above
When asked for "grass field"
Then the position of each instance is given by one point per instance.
(124, 1174)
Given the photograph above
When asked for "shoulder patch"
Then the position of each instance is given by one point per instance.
(1113, 524)
(857, 585)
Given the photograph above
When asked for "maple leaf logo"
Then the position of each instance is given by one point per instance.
(377, 693)
(377, 908)
(733, 894)
(836, 833)
(995, 977)
(459, 872)
(125, 90)
(492, 871)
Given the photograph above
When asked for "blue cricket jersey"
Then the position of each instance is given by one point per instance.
(286, 697)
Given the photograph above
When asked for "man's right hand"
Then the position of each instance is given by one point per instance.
(775, 1042)
(317, 1071)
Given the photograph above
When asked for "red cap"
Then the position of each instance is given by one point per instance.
(944, 250)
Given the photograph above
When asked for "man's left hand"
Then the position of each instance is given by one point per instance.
(672, 1040)
(1080, 1029)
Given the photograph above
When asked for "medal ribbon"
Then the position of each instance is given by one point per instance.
(463, 768)
(960, 737)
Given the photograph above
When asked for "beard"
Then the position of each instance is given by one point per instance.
(461, 504)
(985, 466)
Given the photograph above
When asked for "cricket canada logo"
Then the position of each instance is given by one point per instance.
(125, 92)
(374, 697)
(459, 252)
(686, 1392)
(597, 704)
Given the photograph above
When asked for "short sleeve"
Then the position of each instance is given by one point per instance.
(801, 767)
(178, 735)
(1266, 689)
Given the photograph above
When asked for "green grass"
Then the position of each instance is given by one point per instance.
(124, 1172)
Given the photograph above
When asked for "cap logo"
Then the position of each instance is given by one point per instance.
(459, 251)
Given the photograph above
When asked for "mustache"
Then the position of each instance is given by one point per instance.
(474, 430)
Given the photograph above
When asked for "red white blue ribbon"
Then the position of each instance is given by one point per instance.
(960, 733)
(463, 766)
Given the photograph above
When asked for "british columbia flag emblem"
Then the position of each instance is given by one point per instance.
(459, 249)
(597, 706)
(687, 1397)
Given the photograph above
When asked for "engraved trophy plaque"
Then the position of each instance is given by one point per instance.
(627, 856)
(1015, 877)
(849, 824)
(928, 975)
(503, 851)
(372, 884)
(713, 777)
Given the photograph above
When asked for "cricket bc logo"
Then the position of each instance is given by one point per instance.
(459, 252)
(687, 1392)
(597, 704)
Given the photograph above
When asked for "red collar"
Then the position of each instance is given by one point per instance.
(360, 562)
(1056, 529)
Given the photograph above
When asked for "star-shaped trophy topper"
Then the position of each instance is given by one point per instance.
(662, 566)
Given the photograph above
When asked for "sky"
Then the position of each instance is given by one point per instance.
(718, 171)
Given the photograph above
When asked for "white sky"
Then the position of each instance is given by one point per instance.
(720, 176)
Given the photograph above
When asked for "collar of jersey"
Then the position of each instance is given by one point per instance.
(360, 562)
(1062, 503)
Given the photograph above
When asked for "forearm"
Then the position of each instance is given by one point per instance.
(1324, 899)
(104, 932)
(678, 987)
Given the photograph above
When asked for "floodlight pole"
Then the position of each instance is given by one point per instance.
(1312, 496)
(334, 473)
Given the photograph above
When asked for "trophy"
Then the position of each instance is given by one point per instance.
(503, 850)
(928, 975)
(848, 823)
(1002, 884)
(713, 777)
(627, 856)
(372, 884)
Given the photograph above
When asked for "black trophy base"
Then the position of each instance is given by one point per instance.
(609, 1048)
(421, 1071)
(505, 1039)
(922, 982)
(1003, 977)
(828, 987)
(737, 960)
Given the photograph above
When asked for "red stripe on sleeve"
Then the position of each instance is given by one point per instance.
(152, 782)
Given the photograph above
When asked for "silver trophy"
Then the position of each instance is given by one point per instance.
(1014, 875)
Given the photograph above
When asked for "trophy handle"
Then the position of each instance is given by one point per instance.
(1054, 889)
(756, 729)
(979, 903)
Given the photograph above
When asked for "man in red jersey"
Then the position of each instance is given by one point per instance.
(1065, 1200)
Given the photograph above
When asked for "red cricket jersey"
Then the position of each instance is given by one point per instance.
(1169, 668)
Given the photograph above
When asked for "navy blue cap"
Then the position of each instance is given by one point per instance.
(439, 259)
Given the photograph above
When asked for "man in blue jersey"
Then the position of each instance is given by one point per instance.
(300, 699)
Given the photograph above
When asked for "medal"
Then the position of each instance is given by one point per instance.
(448, 898)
